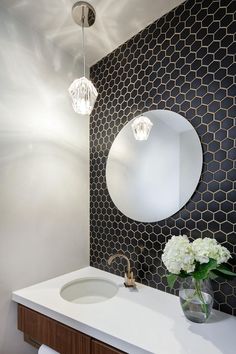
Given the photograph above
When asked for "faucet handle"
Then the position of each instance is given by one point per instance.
(129, 280)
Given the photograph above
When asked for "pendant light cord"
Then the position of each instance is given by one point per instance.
(83, 45)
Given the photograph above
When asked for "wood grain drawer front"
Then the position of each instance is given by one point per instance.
(81, 343)
(45, 330)
(63, 339)
(36, 326)
(101, 348)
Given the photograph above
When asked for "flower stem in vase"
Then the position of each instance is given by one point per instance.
(201, 296)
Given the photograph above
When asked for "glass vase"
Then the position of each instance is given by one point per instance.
(196, 298)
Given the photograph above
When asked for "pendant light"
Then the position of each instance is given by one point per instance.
(82, 90)
(141, 127)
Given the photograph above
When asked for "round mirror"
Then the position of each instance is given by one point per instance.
(150, 180)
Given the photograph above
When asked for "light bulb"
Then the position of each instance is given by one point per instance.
(83, 94)
(141, 127)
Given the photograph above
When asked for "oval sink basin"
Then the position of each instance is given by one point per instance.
(88, 290)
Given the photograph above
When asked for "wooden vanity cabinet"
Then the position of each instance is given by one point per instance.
(39, 329)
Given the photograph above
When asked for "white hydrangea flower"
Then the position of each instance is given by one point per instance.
(205, 248)
(178, 255)
(223, 255)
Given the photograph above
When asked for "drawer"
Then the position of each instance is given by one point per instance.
(39, 328)
(102, 348)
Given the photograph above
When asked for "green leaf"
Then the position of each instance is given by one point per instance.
(212, 275)
(171, 279)
(202, 270)
(224, 270)
(221, 275)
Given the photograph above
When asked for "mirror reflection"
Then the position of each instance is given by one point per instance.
(150, 180)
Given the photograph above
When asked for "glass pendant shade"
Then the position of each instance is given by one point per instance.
(82, 90)
(141, 127)
(83, 94)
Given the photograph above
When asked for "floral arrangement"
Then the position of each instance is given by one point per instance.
(202, 259)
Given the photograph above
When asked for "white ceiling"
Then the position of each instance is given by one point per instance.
(116, 22)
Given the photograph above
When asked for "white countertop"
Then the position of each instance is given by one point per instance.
(139, 321)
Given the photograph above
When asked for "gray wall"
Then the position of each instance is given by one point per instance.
(43, 171)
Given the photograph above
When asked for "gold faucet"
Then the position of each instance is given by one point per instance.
(129, 276)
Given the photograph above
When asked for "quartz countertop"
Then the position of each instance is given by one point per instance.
(138, 321)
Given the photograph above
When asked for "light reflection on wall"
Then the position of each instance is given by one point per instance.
(43, 170)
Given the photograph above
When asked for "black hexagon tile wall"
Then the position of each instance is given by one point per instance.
(183, 62)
